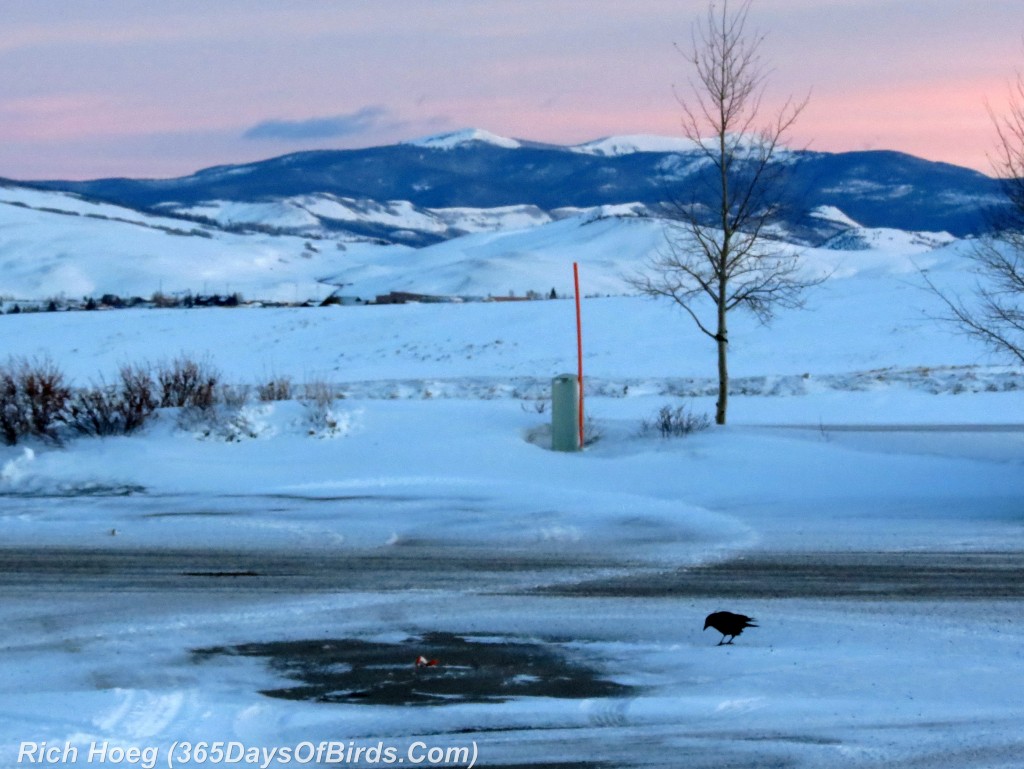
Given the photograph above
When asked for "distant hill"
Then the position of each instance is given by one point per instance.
(57, 248)
(477, 170)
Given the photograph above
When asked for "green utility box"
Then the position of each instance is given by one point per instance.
(565, 413)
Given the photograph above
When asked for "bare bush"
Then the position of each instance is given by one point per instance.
(278, 388)
(96, 411)
(319, 393)
(187, 383)
(13, 424)
(318, 397)
(118, 409)
(675, 422)
(138, 393)
(46, 393)
(33, 399)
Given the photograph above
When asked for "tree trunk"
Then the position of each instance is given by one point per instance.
(722, 341)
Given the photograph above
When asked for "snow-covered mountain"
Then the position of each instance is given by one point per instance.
(456, 139)
(475, 169)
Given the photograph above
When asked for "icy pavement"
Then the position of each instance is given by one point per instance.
(820, 683)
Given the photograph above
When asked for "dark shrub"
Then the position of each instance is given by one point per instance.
(675, 422)
(117, 409)
(187, 383)
(278, 388)
(138, 396)
(33, 399)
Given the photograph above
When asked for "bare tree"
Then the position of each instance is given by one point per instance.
(722, 254)
(995, 313)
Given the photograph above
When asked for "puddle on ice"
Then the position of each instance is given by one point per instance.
(434, 669)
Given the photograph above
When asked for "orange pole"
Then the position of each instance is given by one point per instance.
(579, 344)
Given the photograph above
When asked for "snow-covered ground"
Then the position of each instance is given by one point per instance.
(859, 429)
(822, 682)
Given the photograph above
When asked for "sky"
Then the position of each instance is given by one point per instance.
(97, 88)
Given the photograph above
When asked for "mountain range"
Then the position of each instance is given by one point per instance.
(417, 192)
(467, 214)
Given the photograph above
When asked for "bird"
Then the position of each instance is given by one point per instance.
(728, 624)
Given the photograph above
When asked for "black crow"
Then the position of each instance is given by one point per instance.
(728, 624)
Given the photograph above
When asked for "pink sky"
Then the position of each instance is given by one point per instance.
(125, 88)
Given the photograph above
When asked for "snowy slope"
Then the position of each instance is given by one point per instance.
(56, 244)
(59, 245)
(330, 216)
(516, 262)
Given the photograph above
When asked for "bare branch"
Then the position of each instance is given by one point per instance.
(994, 315)
(989, 322)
